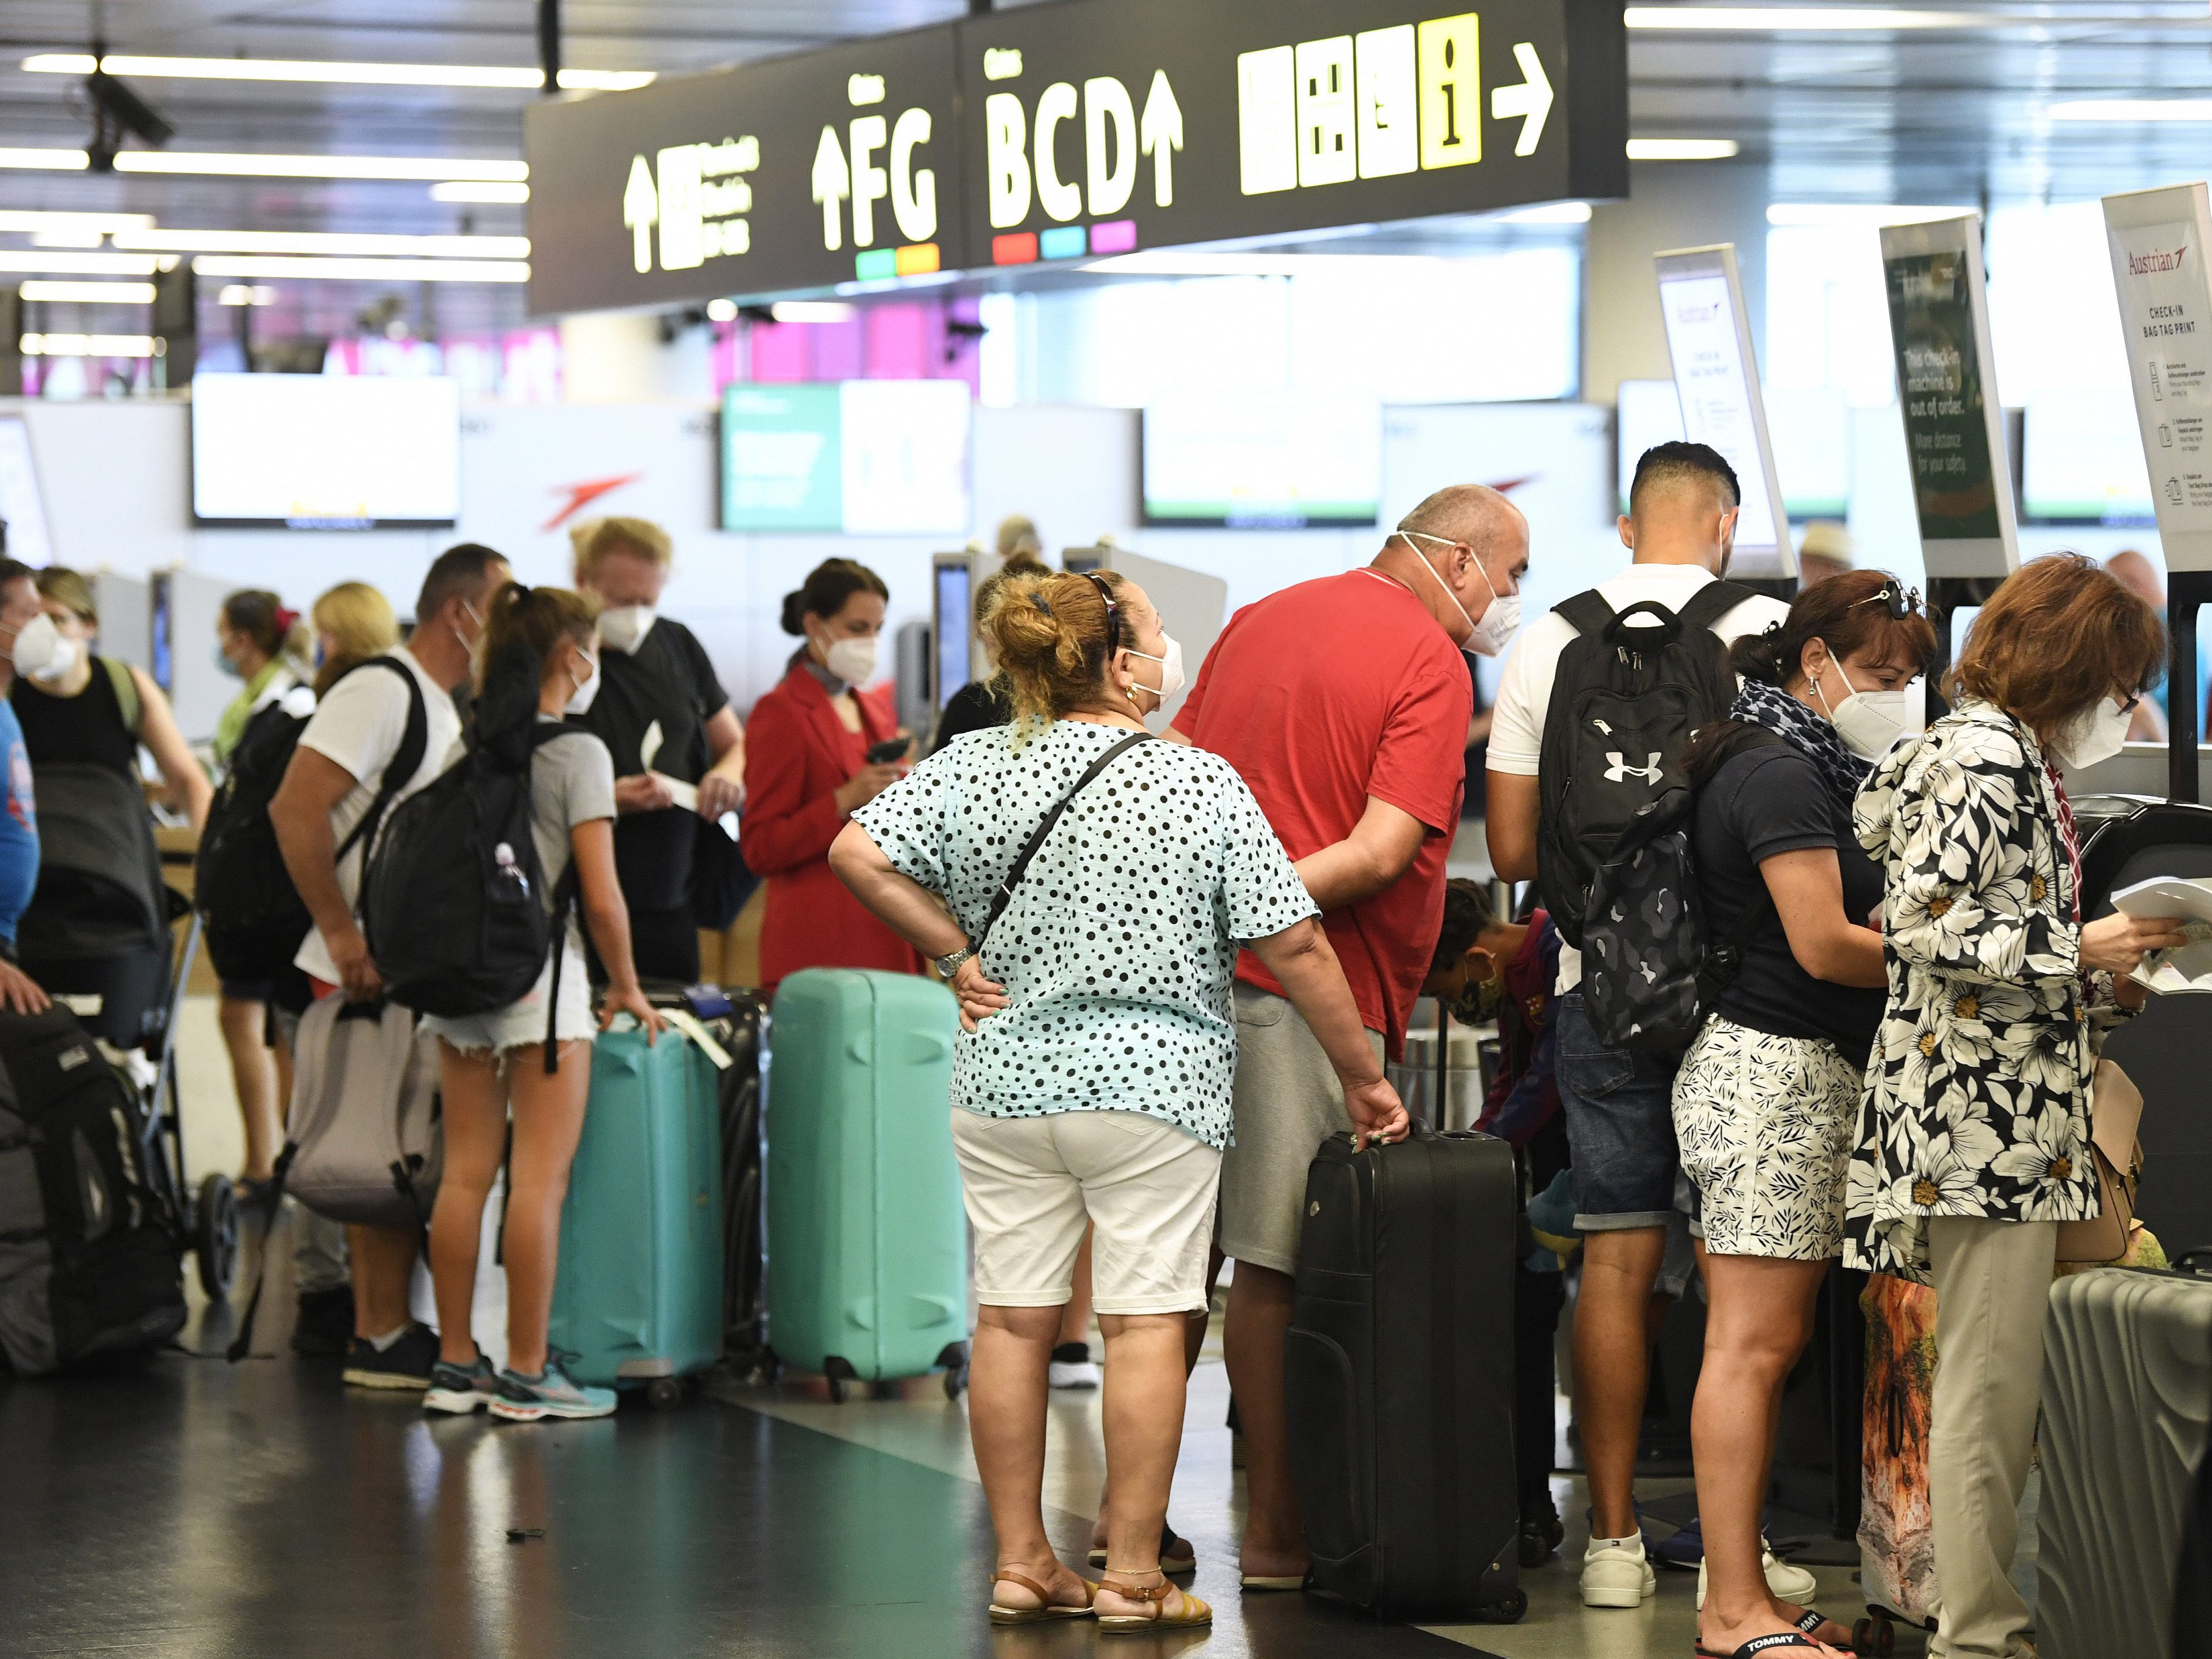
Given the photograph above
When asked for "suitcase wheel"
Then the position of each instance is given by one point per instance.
(1508, 1608)
(664, 1393)
(954, 1360)
(1875, 1636)
(836, 1372)
(214, 1236)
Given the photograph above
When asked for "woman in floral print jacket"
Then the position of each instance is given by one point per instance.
(1971, 1138)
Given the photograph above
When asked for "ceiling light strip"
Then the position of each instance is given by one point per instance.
(89, 294)
(1826, 20)
(323, 242)
(79, 264)
(515, 78)
(1665, 150)
(90, 345)
(430, 167)
(251, 267)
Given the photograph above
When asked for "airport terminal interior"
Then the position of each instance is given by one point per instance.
(780, 349)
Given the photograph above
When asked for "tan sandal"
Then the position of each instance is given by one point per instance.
(1195, 1612)
(1047, 1607)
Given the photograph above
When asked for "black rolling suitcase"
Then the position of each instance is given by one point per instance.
(743, 1032)
(1398, 1376)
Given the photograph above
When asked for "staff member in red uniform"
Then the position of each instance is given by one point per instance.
(1343, 703)
(807, 769)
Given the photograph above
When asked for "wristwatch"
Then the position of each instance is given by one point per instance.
(950, 965)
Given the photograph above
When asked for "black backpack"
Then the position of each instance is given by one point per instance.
(1652, 973)
(88, 1241)
(1624, 700)
(451, 907)
(254, 918)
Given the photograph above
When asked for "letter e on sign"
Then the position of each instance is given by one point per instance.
(1450, 74)
(1389, 133)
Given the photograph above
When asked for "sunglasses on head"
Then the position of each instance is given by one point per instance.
(1112, 611)
(1902, 602)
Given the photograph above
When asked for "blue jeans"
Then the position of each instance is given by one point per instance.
(1619, 1109)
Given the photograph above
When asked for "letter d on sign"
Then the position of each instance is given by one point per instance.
(1005, 132)
(1107, 108)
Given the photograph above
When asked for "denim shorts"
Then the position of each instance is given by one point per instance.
(1619, 1109)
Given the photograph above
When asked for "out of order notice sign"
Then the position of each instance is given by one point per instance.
(1070, 131)
(2157, 239)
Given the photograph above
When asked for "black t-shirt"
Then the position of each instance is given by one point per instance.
(973, 707)
(1767, 800)
(666, 679)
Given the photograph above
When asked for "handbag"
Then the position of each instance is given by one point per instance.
(2115, 1114)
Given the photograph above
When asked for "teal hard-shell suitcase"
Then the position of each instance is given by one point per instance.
(868, 1243)
(639, 1291)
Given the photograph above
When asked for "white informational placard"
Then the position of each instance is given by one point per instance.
(326, 452)
(2158, 239)
(904, 460)
(20, 504)
(1954, 438)
(1717, 379)
(1284, 461)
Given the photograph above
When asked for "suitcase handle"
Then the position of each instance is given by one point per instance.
(2196, 1260)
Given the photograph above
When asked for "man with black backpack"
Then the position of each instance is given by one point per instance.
(379, 734)
(1597, 702)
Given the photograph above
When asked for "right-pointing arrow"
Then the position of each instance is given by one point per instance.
(1531, 100)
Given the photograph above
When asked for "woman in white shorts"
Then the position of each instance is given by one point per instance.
(1091, 1083)
(1768, 1093)
(487, 1062)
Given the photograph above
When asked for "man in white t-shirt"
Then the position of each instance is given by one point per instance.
(1616, 1105)
(337, 775)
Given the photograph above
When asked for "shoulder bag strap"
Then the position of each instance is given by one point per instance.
(1004, 895)
(127, 701)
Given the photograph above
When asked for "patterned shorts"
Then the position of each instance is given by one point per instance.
(1766, 1124)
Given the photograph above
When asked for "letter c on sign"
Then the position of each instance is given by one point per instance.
(913, 192)
(1063, 200)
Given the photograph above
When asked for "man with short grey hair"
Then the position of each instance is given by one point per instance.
(1343, 703)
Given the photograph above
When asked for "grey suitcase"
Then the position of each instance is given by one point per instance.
(364, 1143)
(2127, 1392)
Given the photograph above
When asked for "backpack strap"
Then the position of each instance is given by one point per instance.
(1711, 602)
(125, 687)
(1004, 895)
(1725, 962)
(406, 761)
(1586, 613)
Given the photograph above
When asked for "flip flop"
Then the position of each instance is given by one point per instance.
(1811, 1618)
(1177, 1556)
(1050, 1609)
(1780, 1641)
(1264, 1580)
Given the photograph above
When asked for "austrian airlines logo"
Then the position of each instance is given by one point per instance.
(2144, 265)
(582, 496)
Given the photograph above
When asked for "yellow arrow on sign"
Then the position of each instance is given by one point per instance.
(1531, 100)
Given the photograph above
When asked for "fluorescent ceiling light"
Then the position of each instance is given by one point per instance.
(1551, 213)
(318, 242)
(479, 189)
(79, 264)
(61, 161)
(2131, 110)
(1871, 216)
(237, 294)
(318, 166)
(722, 310)
(90, 294)
(379, 75)
(1681, 150)
(1755, 20)
(24, 219)
(811, 311)
(91, 345)
(365, 270)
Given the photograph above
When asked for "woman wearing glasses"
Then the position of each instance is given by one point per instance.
(1768, 1089)
(1971, 1146)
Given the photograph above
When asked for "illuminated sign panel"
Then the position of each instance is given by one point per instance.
(1075, 131)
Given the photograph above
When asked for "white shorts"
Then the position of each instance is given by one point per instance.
(523, 1022)
(1031, 1184)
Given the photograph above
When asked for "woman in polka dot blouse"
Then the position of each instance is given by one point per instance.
(1091, 1079)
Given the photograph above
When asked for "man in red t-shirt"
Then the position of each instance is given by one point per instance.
(1344, 704)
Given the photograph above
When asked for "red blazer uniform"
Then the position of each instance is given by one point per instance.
(798, 756)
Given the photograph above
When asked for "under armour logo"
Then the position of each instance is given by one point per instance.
(1619, 768)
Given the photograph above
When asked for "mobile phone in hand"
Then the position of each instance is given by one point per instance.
(890, 749)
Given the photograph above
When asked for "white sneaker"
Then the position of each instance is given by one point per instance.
(1792, 1584)
(1072, 1367)
(1616, 1574)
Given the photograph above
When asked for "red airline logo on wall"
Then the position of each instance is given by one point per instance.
(582, 496)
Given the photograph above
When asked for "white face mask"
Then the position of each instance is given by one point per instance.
(42, 652)
(623, 628)
(580, 700)
(1500, 621)
(1171, 662)
(1867, 721)
(852, 661)
(2097, 732)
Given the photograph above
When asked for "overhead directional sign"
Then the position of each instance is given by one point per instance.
(1076, 130)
